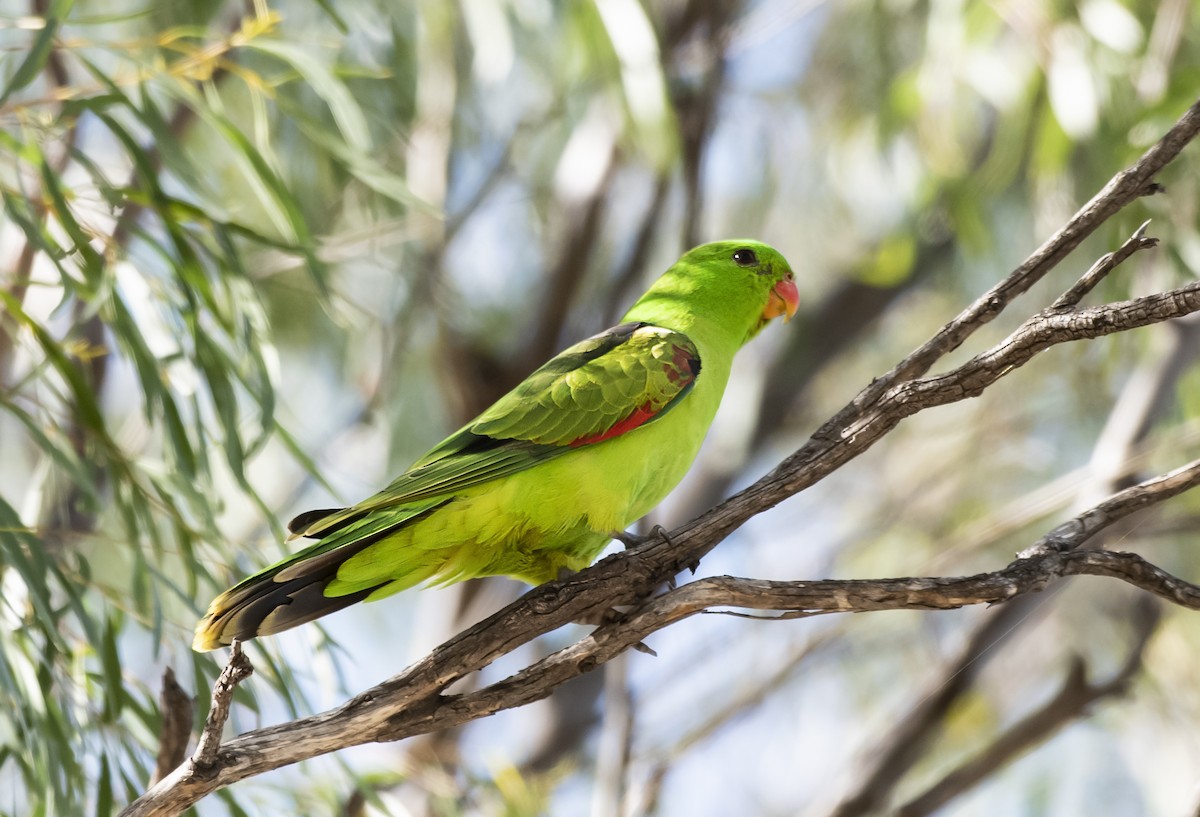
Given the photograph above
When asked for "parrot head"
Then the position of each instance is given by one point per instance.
(739, 285)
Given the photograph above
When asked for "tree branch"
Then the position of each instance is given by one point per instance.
(1127, 186)
(1107, 263)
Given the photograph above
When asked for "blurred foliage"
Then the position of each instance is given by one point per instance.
(254, 254)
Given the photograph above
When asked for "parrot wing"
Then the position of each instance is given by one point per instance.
(598, 389)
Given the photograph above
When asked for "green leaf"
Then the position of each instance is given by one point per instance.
(85, 404)
(330, 10)
(346, 113)
(892, 263)
(48, 438)
(21, 550)
(363, 166)
(39, 52)
(93, 265)
(110, 660)
(104, 790)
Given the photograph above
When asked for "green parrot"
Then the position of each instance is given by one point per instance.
(540, 482)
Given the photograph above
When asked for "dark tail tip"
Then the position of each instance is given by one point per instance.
(302, 522)
(284, 595)
(267, 608)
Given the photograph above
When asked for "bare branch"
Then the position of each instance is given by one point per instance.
(1127, 186)
(802, 599)
(1074, 532)
(237, 670)
(1107, 263)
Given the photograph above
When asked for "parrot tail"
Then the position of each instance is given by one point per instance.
(292, 592)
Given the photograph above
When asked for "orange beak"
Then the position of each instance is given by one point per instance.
(784, 300)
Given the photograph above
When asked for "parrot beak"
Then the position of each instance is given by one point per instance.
(784, 300)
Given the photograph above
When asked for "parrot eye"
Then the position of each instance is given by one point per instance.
(745, 257)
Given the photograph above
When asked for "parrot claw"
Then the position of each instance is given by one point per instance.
(631, 540)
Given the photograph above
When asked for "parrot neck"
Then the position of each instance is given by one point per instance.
(725, 335)
(715, 340)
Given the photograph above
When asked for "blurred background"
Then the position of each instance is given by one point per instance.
(256, 257)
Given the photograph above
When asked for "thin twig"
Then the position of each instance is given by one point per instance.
(1106, 264)
(237, 670)
(1073, 533)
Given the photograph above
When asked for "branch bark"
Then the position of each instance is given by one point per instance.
(414, 702)
(237, 670)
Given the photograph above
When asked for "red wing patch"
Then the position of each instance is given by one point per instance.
(637, 418)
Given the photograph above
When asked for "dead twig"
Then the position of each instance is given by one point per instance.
(237, 670)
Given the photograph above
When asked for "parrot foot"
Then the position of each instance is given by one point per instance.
(631, 540)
